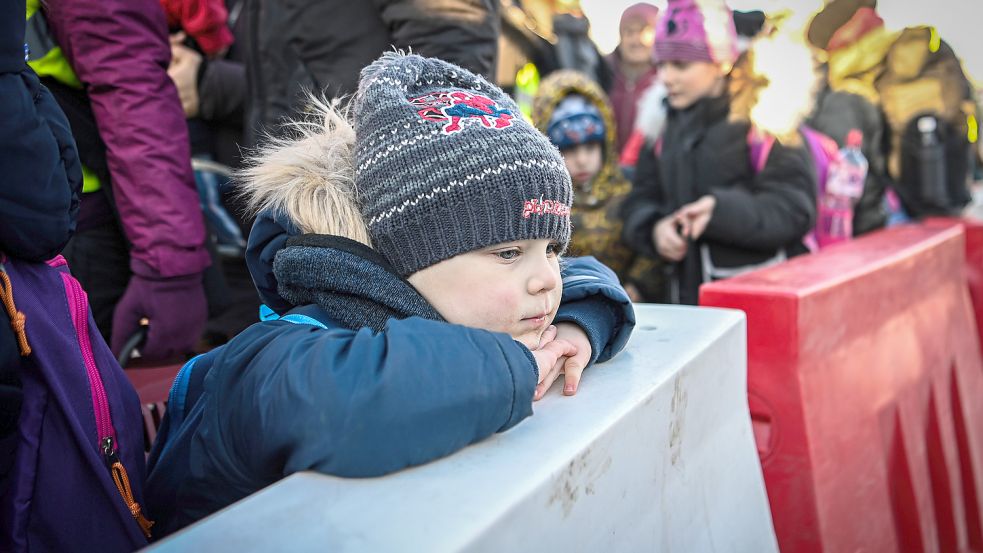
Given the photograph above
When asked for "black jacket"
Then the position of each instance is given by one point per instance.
(756, 215)
(321, 46)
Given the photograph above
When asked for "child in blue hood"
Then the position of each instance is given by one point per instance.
(411, 263)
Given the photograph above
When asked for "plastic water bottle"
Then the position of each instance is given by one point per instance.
(931, 163)
(844, 187)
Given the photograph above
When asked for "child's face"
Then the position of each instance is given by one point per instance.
(583, 161)
(688, 81)
(512, 287)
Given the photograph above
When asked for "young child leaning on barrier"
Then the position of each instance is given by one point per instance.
(412, 265)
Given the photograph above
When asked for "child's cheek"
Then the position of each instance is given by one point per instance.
(505, 307)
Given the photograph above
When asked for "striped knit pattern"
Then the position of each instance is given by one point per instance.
(446, 164)
(696, 30)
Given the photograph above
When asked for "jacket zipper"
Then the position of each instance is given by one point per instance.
(100, 403)
(106, 439)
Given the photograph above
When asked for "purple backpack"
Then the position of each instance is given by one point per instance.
(79, 467)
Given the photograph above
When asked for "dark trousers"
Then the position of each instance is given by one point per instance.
(100, 260)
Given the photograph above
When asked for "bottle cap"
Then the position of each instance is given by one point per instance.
(927, 124)
(855, 138)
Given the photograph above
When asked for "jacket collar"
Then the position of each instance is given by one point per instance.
(353, 284)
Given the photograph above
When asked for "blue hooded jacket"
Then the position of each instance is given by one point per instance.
(371, 381)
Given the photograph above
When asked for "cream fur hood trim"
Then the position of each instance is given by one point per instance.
(309, 176)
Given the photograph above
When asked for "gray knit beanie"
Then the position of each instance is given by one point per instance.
(446, 164)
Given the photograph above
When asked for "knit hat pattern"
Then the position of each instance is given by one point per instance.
(696, 30)
(446, 164)
(575, 121)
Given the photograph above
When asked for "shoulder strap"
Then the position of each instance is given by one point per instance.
(759, 147)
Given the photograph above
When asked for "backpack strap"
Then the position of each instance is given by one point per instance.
(17, 318)
(759, 147)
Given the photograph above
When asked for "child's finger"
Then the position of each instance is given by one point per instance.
(683, 225)
(548, 380)
(573, 369)
(548, 336)
(562, 348)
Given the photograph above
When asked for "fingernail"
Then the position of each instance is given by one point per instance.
(569, 389)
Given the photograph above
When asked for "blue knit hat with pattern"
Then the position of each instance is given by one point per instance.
(446, 164)
(575, 121)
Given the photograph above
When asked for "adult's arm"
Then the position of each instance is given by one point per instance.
(119, 50)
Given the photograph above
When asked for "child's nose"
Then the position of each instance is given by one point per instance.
(544, 279)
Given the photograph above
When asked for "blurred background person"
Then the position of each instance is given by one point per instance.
(698, 202)
(632, 65)
(322, 46)
(576, 115)
(917, 82)
(213, 96)
(139, 250)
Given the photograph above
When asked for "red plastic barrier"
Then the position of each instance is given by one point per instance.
(974, 269)
(974, 262)
(865, 384)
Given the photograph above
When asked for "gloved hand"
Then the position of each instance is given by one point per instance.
(175, 307)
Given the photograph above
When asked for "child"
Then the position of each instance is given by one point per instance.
(359, 373)
(698, 203)
(576, 116)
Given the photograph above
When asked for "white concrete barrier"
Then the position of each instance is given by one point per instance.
(654, 453)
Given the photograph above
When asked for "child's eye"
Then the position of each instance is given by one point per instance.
(508, 255)
(552, 249)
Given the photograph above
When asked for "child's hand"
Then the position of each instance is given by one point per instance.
(571, 366)
(667, 239)
(694, 217)
(550, 357)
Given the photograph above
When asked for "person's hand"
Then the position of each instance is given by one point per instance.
(693, 218)
(667, 239)
(551, 354)
(184, 72)
(572, 366)
(175, 308)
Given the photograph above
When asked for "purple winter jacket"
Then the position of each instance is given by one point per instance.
(119, 50)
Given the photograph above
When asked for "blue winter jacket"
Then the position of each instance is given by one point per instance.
(309, 392)
(39, 196)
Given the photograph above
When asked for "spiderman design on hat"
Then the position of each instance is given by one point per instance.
(458, 107)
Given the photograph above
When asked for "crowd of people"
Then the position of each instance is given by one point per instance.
(386, 228)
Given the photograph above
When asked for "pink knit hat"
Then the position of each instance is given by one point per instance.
(696, 30)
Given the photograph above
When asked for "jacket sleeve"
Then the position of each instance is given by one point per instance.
(593, 299)
(776, 208)
(359, 404)
(463, 32)
(119, 50)
(39, 198)
(645, 205)
(222, 91)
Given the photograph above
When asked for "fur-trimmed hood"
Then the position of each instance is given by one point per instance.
(560, 84)
(773, 86)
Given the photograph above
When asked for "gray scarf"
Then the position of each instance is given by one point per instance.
(353, 283)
